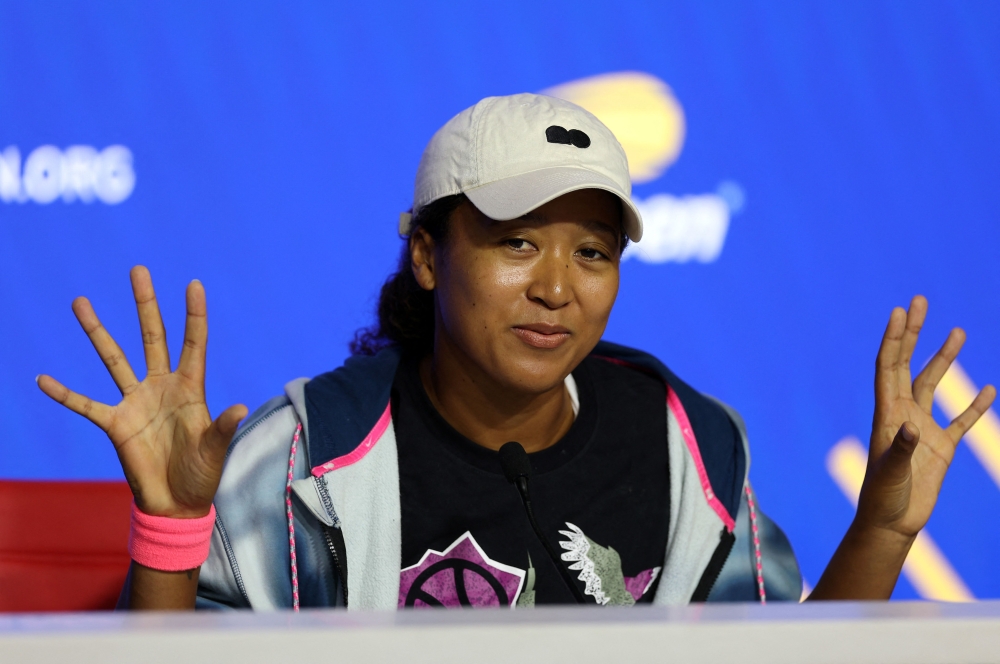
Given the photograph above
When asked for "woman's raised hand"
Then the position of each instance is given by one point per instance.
(907, 461)
(171, 450)
(910, 453)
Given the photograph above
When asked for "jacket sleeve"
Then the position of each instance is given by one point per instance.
(738, 581)
(248, 561)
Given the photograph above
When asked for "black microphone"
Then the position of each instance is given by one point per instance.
(517, 470)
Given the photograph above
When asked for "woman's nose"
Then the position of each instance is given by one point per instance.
(551, 283)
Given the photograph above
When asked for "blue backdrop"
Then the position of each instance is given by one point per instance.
(268, 148)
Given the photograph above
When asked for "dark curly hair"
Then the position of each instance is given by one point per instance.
(405, 310)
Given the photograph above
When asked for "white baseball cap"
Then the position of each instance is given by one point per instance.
(510, 155)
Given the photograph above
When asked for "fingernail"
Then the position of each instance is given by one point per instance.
(36, 378)
(196, 281)
(907, 434)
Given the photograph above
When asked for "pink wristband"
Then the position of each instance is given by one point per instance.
(167, 544)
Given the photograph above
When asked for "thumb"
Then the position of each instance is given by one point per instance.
(220, 433)
(896, 463)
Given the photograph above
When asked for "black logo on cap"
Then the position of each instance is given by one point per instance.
(557, 134)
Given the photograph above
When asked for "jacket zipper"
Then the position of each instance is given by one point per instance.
(711, 575)
(329, 534)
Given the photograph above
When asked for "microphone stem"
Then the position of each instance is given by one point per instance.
(522, 489)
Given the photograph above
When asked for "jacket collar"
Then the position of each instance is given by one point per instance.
(347, 406)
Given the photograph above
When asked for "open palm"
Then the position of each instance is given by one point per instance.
(170, 449)
(910, 452)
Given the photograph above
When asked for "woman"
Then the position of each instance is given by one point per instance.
(379, 485)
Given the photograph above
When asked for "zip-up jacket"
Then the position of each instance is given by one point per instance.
(308, 509)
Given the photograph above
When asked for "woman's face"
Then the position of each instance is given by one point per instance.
(526, 300)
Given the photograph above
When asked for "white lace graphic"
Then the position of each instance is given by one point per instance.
(577, 550)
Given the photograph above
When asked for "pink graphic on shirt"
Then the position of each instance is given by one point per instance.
(461, 575)
(638, 585)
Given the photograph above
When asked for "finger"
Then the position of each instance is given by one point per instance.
(221, 433)
(887, 361)
(915, 317)
(896, 466)
(154, 337)
(927, 380)
(95, 411)
(192, 363)
(108, 350)
(961, 424)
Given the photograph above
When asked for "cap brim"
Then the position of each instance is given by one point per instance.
(518, 195)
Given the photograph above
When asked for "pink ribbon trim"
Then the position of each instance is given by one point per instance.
(675, 405)
(361, 450)
(168, 544)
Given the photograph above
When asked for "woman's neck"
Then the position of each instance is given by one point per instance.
(491, 414)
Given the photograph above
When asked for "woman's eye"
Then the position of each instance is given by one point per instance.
(591, 254)
(517, 244)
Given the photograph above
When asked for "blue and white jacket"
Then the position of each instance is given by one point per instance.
(308, 507)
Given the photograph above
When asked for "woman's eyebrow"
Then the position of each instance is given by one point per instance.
(599, 226)
(589, 224)
(592, 225)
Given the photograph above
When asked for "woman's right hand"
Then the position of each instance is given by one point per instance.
(171, 450)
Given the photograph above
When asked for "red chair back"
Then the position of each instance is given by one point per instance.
(63, 545)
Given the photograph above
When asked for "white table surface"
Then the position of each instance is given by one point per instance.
(911, 632)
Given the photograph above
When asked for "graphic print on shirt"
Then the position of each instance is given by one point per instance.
(461, 575)
(601, 570)
(526, 599)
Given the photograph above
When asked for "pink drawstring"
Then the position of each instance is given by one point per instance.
(756, 547)
(291, 519)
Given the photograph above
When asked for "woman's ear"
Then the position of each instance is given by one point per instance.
(422, 258)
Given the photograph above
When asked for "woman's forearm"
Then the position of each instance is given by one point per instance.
(152, 590)
(865, 566)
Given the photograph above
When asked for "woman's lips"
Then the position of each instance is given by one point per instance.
(542, 336)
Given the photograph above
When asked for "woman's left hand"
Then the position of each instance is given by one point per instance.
(907, 461)
(910, 453)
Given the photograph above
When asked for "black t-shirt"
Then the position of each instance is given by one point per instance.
(601, 495)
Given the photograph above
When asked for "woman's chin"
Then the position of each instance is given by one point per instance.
(533, 372)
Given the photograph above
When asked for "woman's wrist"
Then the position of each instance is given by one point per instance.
(170, 544)
(891, 544)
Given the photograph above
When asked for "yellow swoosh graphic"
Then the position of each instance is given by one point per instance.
(926, 567)
(953, 395)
